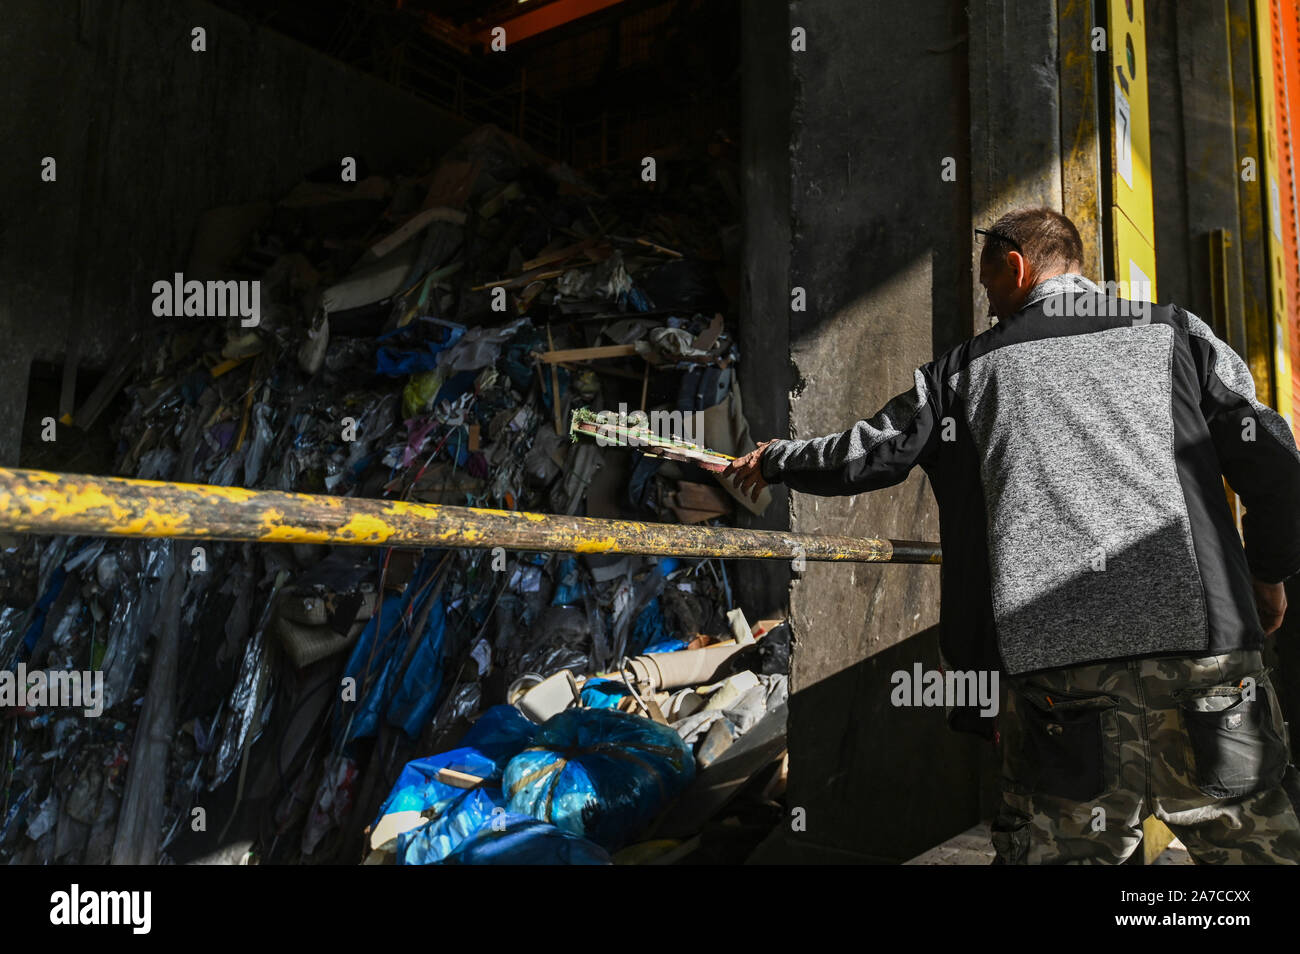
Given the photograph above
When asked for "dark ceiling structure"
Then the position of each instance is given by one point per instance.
(578, 73)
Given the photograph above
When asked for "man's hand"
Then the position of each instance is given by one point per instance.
(745, 473)
(1270, 600)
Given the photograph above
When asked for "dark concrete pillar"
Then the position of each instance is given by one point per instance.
(879, 239)
(762, 586)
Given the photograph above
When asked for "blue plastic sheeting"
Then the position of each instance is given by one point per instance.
(640, 483)
(569, 588)
(395, 361)
(421, 686)
(16, 813)
(599, 773)
(667, 646)
(360, 664)
(447, 332)
(512, 839)
(40, 611)
(433, 842)
(418, 790)
(603, 693)
(636, 298)
(650, 628)
(548, 399)
(410, 696)
(456, 385)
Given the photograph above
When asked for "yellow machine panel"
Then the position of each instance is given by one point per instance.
(1135, 259)
(1130, 170)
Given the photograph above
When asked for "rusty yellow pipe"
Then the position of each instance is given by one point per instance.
(34, 501)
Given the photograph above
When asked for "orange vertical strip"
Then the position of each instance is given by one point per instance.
(1286, 73)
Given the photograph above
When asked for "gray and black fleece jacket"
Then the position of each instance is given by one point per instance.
(1077, 452)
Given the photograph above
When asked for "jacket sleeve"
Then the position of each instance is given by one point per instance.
(878, 452)
(1257, 454)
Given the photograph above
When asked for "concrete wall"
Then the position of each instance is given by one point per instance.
(147, 134)
(881, 243)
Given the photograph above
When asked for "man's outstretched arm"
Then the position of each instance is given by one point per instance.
(1258, 455)
(877, 452)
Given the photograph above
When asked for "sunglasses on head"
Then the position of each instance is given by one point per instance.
(1001, 237)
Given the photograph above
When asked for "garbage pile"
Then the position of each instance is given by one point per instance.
(595, 759)
(420, 338)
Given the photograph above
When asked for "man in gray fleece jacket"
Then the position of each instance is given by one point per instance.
(1077, 452)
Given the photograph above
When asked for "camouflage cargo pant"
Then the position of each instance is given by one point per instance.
(1088, 752)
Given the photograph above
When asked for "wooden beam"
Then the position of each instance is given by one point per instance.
(588, 354)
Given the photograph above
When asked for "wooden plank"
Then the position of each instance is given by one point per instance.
(1080, 139)
(519, 281)
(555, 384)
(458, 779)
(121, 366)
(559, 255)
(393, 824)
(659, 248)
(589, 354)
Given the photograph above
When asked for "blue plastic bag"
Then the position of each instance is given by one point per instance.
(400, 359)
(512, 839)
(501, 733)
(603, 693)
(650, 628)
(433, 842)
(599, 773)
(417, 789)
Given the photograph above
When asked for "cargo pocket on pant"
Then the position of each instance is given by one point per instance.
(1065, 742)
(1237, 744)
